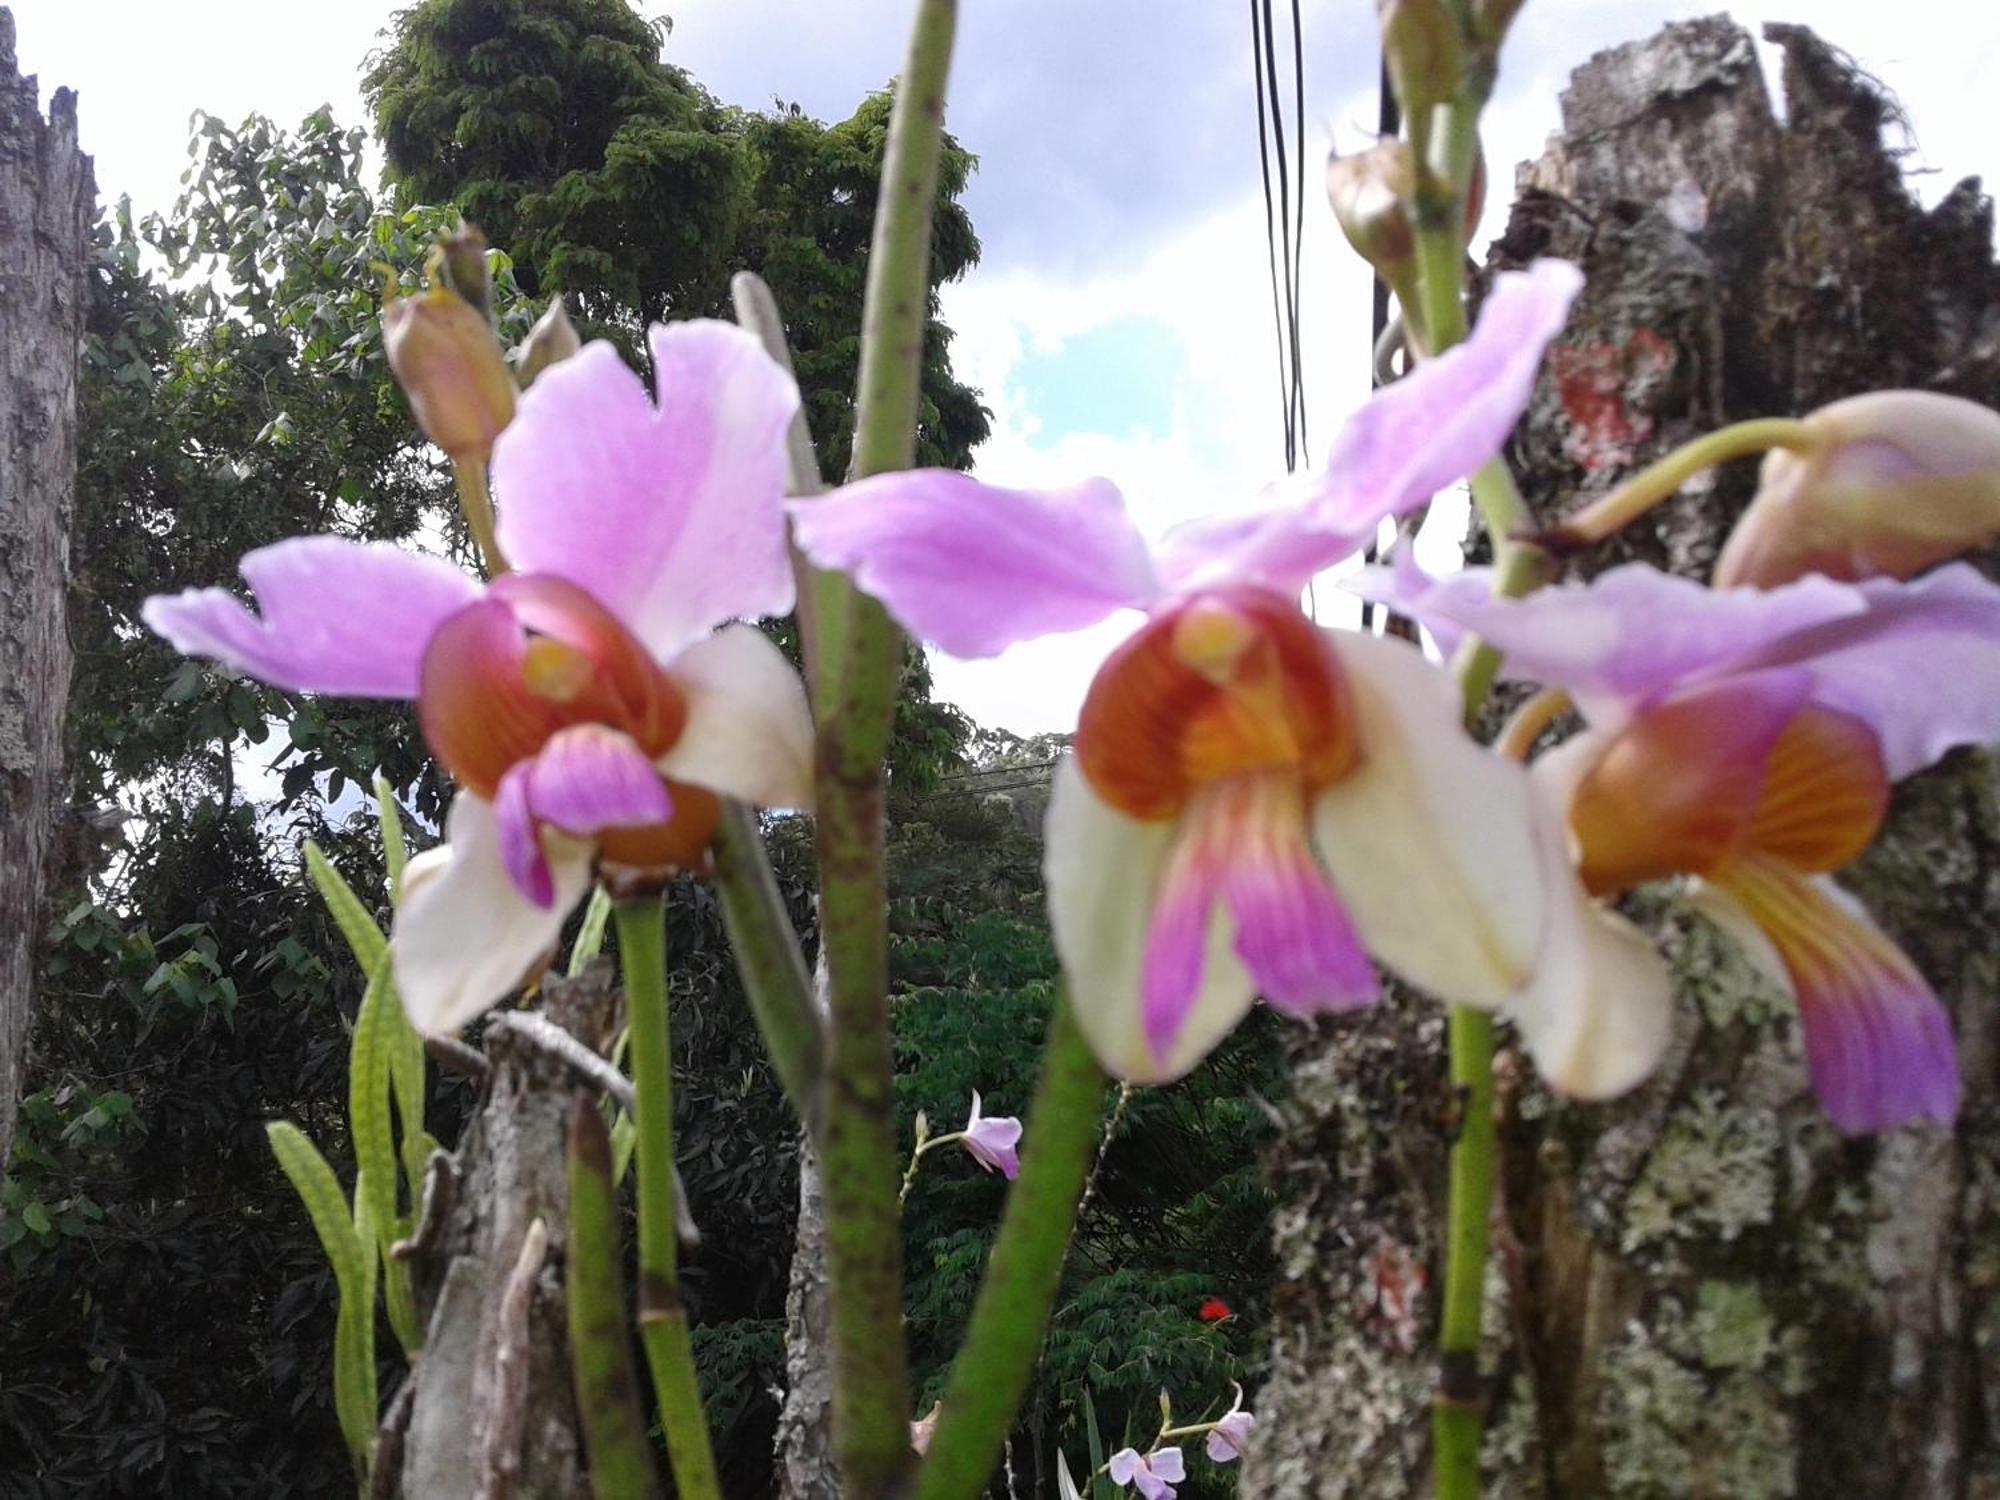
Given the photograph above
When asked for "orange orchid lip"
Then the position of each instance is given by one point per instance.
(1698, 784)
(537, 655)
(1224, 682)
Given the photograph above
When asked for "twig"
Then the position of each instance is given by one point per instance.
(508, 1418)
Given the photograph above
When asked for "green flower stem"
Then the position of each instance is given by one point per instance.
(991, 1372)
(607, 1387)
(663, 1329)
(775, 978)
(1662, 479)
(476, 501)
(858, 653)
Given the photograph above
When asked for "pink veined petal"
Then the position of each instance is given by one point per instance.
(1102, 870)
(1878, 1044)
(1185, 919)
(586, 779)
(972, 568)
(1292, 932)
(671, 516)
(1921, 667)
(464, 934)
(520, 840)
(749, 733)
(1431, 839)
(335, 616)
(1450, 415)
(1627, 637)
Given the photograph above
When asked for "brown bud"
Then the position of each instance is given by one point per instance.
(449, 364)
(1898, 482)
(552, 340)
(462, 258)
(1424, 50)
(1370, 192)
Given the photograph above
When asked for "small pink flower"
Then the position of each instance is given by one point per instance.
(991, 1141)
(1226, 1439)
(1153, 1474)
(592, 703)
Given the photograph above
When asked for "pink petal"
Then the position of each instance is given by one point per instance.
(520, 839)
(1124, 1464)
(1228, 1438)
(1451, 414)
(1279, 545)
(992, 1141)
(1878, 1044)
(1167, 1464)
(672, 517)
(336, 616)
(1178, 940)
(586, 779)
(974, 569)
(1627, 637)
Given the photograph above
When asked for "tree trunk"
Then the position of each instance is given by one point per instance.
(804, 1441)
(47, 198)
(1702, 1290)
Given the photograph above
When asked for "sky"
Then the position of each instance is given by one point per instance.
(1119, 322)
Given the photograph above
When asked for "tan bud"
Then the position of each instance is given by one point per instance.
(1424, 50)
(552, 340)
(1898, 482)
(462, 257)
(1370, 192)
(449, 364)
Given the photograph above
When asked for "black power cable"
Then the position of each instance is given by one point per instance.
(1283, 221)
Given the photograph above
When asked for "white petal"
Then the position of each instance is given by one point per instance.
(1102, 870)
(464, 934)
(749, 734)
(1431, 840)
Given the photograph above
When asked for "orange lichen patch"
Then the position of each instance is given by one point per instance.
(1226, 682)
(537, 655)
(1825, 792)
(680, 843)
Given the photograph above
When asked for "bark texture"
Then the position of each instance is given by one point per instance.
(457, 1414)
(1703, 1290)
(47, 198)
(804, 1440)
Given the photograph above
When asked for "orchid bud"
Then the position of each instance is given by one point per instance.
(449, 364)
(1424, 50)
(1490, 20)
(1370, 192)
(462, 257)
(552, 340)
(1897, 482)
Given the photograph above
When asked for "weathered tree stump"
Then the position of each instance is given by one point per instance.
(47, 200)
(1702, 1290)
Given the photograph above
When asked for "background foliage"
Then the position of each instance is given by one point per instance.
(169, 1310)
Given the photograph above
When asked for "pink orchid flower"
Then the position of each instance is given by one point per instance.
(1230, 1435)
(1749, 739)
(1255, 804)
(587, 704)
(1153, 1474)
(992, 1141)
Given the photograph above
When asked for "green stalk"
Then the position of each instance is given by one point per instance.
(858, 653)
(607, 1387)
(991, 1372)
(774, 973)
(663, 1328)
(475, 501)
(1662, 479)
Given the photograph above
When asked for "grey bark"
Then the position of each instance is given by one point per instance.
(492, 1389)
(804, 1439)
(47, 198)
(1701, 1290)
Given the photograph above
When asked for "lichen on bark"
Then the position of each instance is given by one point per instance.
(1702, 1290)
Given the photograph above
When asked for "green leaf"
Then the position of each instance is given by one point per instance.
(395, 852)
(369, 1086)
(590, 936)
(356, 925)
(36, 1217)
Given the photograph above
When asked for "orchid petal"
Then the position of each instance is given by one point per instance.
(1921, 667)
(1167, 1464)
(749, 733)
(973, 569)
(671, 516)
(1627, 637)
(1230, 1436)
(1102, 870)
(465, 934)
(1431, 840)
(992, 1141)
(590, 777)
(1878, 1044)
(1123, 1465)
(335, 616)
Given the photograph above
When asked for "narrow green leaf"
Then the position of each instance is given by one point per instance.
(369, 1070)
(353, 1266)
(362, 935)
(590, 937)
(395, 852)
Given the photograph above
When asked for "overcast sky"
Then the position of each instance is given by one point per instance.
(1120, 321)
